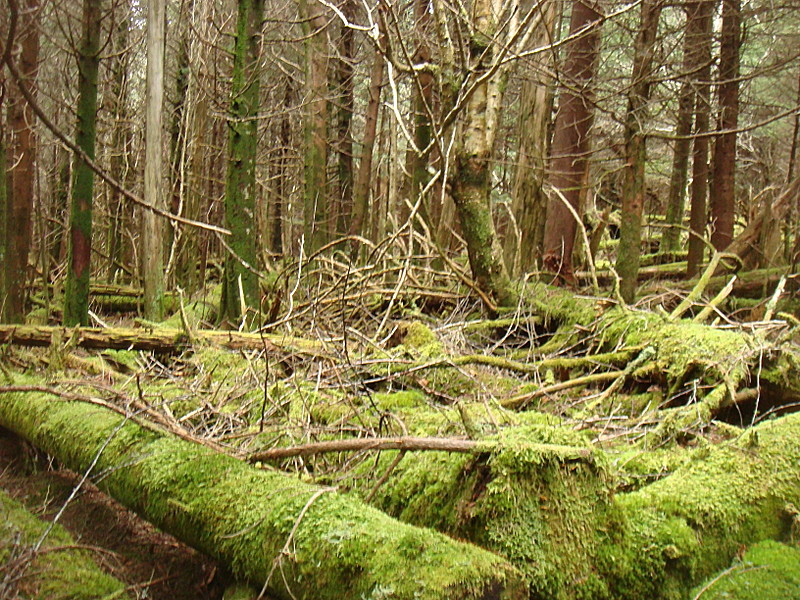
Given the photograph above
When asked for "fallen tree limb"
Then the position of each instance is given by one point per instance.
(303, 541)
(361, 444)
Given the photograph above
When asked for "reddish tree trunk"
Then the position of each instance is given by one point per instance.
(570, 147)
(723, 197)
(700, 30)
(22, 169)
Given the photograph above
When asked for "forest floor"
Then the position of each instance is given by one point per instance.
(603, 399)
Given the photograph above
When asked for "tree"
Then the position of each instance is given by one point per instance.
(629, 250)
(316, 213)
(723, 177)
(21, 174)
(152, 225)
(699, 27)
(683, 143)
(472, 176)
(570, 147)
(76, 291)
(240, 289)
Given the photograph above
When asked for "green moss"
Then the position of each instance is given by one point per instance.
(768, 571)
(59, 571)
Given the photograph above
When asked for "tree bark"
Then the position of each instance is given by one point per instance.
(294, 539)
(701, 28)
(363, 183)
(569, 152)
(472, 172)
(21, 174)
(240, 289)
(723, 180)
(316, 213)
(633, 191)
(680, 157)
(76, 291)
(529, 198)
(345, 106)
(152, 226)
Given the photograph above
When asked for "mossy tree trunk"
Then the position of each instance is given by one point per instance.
(472, 177)
(152, 225)
(76, 292)
(633, 192)
(240, 288)
(21, 175)
(294, 539)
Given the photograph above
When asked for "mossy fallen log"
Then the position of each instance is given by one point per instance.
(555, 515)
(298, 540)
(155, 339)
(55, 568)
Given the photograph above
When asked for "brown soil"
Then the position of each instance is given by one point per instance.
(154, 565)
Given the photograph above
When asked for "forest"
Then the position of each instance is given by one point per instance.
(380, 299)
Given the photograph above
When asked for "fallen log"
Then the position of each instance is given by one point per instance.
(154, 339)
(554, 513)
(294, 539)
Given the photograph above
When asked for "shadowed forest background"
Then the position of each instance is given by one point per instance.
(521, 272)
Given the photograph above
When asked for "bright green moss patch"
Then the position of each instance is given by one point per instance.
(59, 571)
(768, 571)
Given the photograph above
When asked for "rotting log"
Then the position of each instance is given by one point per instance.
(295, 539)
(155, 339)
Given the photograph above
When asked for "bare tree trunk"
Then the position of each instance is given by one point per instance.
(21, 175)
(152, 226)
(635, 150)
(570, 148)
(723, 180)
(523, 247)
(316, 212)
(701, 30)
(363, 184)
(683, 128)
(345, 106)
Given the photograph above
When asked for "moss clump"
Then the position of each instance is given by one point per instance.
(58, 571)
(768, 571)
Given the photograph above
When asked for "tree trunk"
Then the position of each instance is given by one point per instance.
(701, 31)
(345, 107)
(472, 172)
(316, 213)
(363, 184)
(22, 149)
(240, 289)
(152, 225)
(683, 128)
(723, 180)
(524, 250)
(76, 291)
(633, 191)
(569, 152)
(293, 539)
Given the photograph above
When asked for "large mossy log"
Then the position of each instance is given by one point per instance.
(554, 513)
(303, 541)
